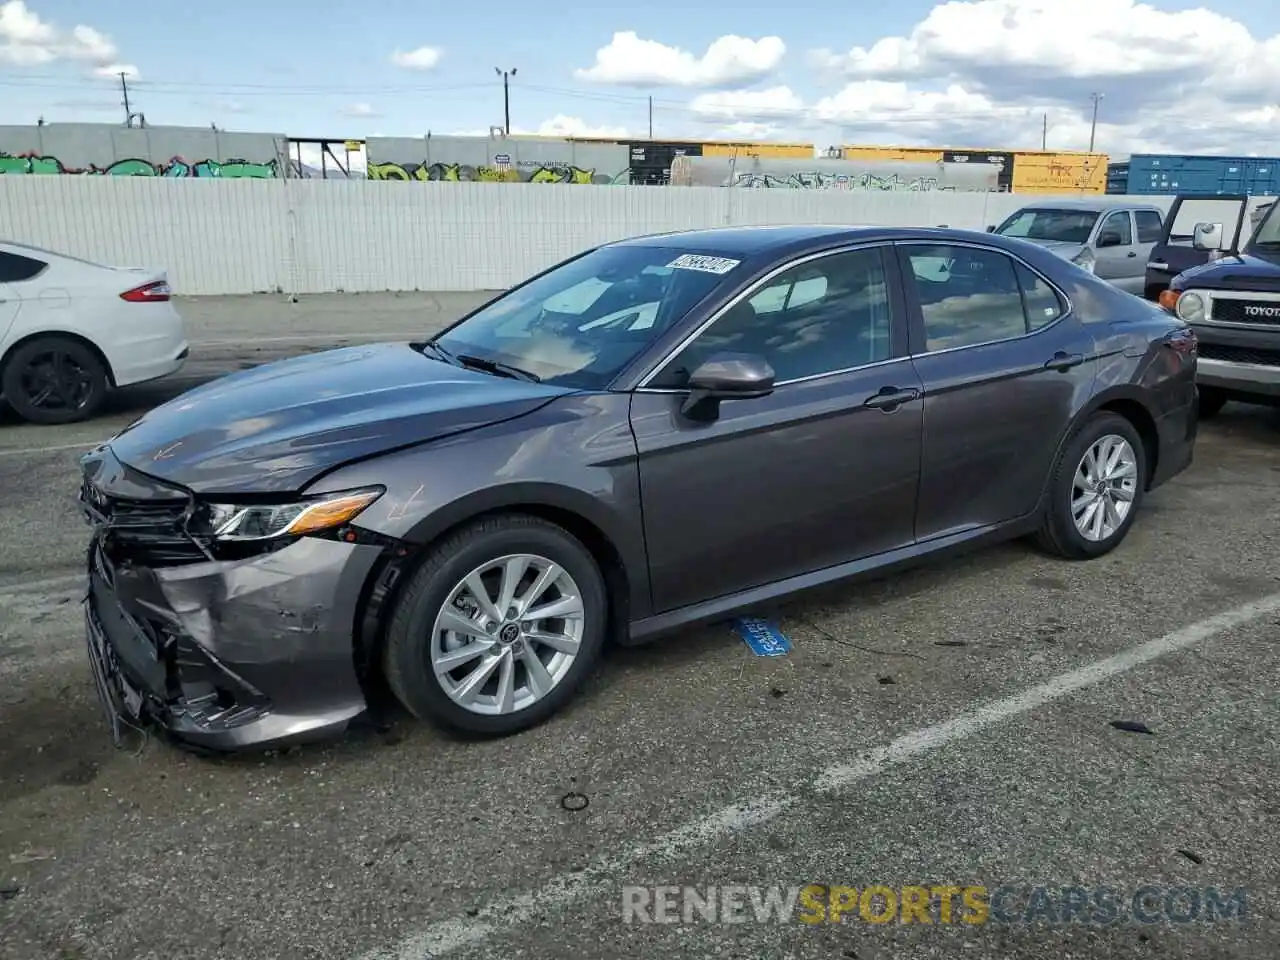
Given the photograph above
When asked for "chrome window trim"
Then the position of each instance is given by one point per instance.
(747, 294)
(643, 387)
(1069, 311)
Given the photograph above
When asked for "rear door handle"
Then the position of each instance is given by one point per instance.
(1063, 361)
(1133, 253)
(890, 398)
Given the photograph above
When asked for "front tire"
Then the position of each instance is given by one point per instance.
(498, 628)
(54, 380)
(1095, 490)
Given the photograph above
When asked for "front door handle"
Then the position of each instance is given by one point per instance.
(1063, 361)
(890, 398)
(1133, 253)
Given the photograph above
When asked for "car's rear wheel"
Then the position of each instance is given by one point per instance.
(1211, 402)
(498, 628)
(53, 380)
(1095, 490)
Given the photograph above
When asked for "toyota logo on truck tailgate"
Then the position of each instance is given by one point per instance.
(1256, 311)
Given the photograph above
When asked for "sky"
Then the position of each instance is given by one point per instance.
(1173, 77)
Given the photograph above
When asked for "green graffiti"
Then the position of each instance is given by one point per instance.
(465, 173)
(32, 164)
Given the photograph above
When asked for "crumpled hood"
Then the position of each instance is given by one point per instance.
(278, 426)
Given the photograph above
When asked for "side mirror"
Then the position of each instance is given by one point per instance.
(1207, 236)
(1109, 239)
(991, 228)
(726, 376)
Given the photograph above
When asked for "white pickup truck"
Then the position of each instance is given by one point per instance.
(1113, 238)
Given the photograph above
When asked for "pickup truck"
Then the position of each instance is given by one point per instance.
(1112, 238)
(1232, 301)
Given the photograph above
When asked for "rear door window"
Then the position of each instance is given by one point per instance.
(16, 269)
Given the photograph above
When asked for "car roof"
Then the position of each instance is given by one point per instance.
(1087, 205)
(790, 239)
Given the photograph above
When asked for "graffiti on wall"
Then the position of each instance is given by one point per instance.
(819, 180)
(31, 163)
(528, 172)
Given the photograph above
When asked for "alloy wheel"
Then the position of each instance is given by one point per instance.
(53, 380)
(507, 634)
(1104, 488)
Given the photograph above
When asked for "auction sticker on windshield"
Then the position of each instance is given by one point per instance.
(694, 261)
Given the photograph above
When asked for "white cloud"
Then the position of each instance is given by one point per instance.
(628, 60)
(26, 40)
(563, 126)
(749, 105)
(745, 130)
(423, 58)
(360, 110)
(985, 73)
(112, 71)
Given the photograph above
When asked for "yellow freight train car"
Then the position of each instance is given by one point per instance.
(774, 151)
(1024, 171)
(1062, 172)
(914, 154)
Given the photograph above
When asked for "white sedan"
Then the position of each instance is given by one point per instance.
(71, 331)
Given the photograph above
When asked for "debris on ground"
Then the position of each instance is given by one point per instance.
(885, 681)
(1192, 856)
(1132, 726)
(764, 638)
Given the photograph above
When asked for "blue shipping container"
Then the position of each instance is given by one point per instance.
(1166, 174)
(1117, 178)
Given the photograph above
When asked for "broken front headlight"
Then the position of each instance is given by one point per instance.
(256, 521)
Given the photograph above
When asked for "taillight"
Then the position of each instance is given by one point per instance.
(157, 292)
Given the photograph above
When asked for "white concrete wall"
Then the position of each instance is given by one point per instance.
(300, 236)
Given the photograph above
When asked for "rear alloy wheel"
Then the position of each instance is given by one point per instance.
(54, 380)
(498, 627)
(1210, 403)
(1096, 488)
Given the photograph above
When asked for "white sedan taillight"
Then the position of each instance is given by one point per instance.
(156, 292)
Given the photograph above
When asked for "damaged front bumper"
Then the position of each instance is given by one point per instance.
(224, 654)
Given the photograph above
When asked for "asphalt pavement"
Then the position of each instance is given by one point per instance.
(953, 727)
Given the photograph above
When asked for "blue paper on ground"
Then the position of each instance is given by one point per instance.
(764, 639)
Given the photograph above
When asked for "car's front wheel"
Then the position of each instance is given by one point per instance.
(53, 380)
(498, 627)
(1095, 489)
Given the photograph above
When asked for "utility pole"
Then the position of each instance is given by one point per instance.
(1044, 133)
(651, 118)
(124, 87)
(1093, 127)
(506, 97)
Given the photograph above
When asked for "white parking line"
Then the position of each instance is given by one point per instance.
(603, 875)
(23, 451)
(31, 586)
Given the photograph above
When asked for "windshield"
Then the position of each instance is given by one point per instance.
(1267, 233)
(1067, 226)
(581, 323)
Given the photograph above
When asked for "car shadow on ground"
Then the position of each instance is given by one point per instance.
(1246, 421)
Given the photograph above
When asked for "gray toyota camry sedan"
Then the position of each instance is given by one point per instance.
(655, 433)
